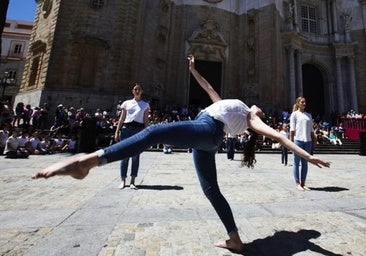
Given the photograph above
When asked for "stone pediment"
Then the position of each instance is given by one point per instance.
(38, 46)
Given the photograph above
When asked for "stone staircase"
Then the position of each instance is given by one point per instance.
(348, 147)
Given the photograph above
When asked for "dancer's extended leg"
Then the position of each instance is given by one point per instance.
(76, 167)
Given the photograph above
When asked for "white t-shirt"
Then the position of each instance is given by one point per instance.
(35, 143)
(23, 141)
(302, 124)
(232, 112)
(134, 110)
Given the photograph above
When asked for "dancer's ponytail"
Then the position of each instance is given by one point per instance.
(249, 150)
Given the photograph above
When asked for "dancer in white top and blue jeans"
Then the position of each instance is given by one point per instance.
(133, 118)
(302, 134)
(204, 135)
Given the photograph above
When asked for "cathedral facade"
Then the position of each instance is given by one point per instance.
(89, 53)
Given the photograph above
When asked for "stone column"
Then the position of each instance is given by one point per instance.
(292, 78)
(335, 21)
(296, 16)
(300, 90)
(363, 13)
(340, 93)
(352, 81)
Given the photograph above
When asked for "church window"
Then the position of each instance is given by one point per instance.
(34, 70)
(18, 48)
(96, 4)
(12, 74)
(308, 19)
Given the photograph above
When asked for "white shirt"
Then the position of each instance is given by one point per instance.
(232, 112)
(23, 141)
(35, 143)
(135, 110)
(302, 124)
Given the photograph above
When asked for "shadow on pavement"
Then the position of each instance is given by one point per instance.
(286, 243)
(159, 187)
(330, 189)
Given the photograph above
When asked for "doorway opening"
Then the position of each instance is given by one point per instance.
(313, 90)
(211, 71)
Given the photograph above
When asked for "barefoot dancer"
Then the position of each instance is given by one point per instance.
(204, 135)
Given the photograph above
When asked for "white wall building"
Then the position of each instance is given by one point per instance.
(14, 49)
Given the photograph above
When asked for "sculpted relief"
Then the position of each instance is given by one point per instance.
(207, 41)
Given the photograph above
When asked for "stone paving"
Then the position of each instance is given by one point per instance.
(169, 215)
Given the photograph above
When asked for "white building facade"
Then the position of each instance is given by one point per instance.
(14, 49)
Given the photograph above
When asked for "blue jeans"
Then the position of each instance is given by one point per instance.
(126, 133)
(307, 146)
(204, 135)
(230, 148)
(284, 155)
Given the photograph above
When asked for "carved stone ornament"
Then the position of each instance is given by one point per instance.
(213, 1)
(207, 42)
(46, 8)
(208, 32)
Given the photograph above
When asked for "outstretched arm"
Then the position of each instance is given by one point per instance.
(214, 96)
(120, 123)
(255, 123)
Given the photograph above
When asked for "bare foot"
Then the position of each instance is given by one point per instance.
(231, 246)
(299, 187)
(77, 167)
(122, 185)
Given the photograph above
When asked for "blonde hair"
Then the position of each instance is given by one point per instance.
(297, 102)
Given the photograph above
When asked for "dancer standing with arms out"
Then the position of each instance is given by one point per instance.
(204, 135)
(133, 118)
(302, 134)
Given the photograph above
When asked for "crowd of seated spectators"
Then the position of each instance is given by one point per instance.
(38, 136)
(64, 132)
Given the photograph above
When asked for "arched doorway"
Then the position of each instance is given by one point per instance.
(313, 90)
(211, 71)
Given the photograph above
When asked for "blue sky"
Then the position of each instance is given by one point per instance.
(21, 10)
